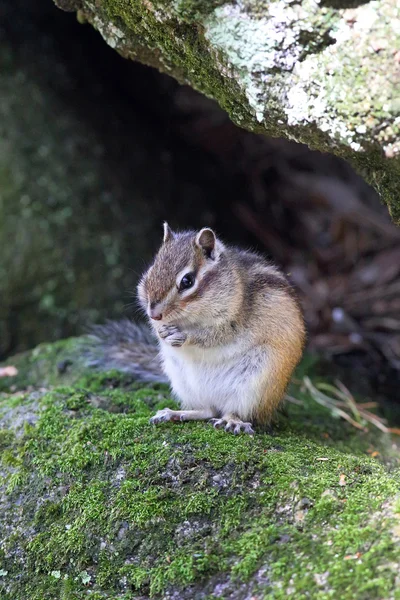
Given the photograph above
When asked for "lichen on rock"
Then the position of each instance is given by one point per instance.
(322, 73)
(96, 502)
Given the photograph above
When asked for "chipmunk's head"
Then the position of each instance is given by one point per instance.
(180, 284)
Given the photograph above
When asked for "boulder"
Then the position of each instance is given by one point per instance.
(322, 73)
(97, 503)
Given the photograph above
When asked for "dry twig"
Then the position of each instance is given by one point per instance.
(342, 404)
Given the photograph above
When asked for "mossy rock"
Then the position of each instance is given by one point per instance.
(322, 73)
(97, 503)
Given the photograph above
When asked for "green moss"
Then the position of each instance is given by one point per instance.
(97, 500)
(192, 10)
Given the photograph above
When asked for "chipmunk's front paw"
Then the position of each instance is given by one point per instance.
(172, 335)
(235, 426)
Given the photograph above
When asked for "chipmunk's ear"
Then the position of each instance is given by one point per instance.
(206, 240)
(168, 233)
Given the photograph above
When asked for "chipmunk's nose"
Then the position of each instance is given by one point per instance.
(155, 314)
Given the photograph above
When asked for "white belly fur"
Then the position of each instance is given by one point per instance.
(226, 379)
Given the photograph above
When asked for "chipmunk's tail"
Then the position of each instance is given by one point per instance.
(126, 347)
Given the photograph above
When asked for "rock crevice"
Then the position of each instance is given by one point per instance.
(324, 74)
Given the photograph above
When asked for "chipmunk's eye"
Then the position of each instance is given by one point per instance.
(187, 282)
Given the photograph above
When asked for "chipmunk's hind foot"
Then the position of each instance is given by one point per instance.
(232, 424)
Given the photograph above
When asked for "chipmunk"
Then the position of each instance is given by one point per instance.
(229, 328)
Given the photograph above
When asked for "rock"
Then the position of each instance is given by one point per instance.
(323, 73)
(95, 502)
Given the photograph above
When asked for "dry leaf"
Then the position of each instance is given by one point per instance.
(342, 479)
